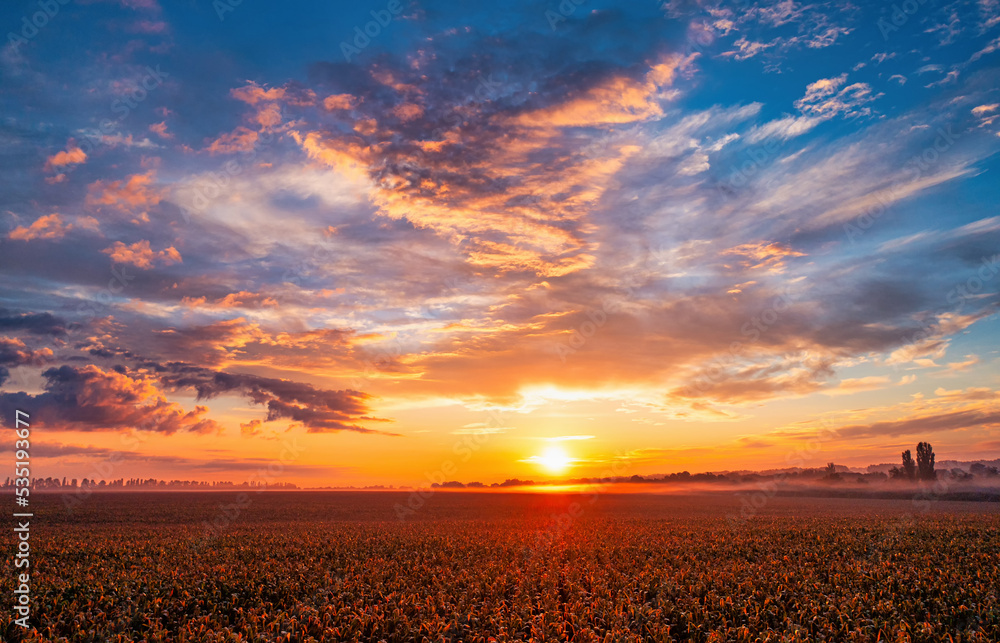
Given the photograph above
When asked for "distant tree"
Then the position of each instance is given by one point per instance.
(896, 473)
(909, 466)
(514, 482)
(925, 461)
(978, 469)
(831, 472)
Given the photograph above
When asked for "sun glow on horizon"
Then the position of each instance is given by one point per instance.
(554, 460)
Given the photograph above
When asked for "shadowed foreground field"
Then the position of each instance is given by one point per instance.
(337, 566)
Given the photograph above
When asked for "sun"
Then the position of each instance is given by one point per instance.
(555, 460)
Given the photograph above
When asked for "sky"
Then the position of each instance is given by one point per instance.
(399, 242)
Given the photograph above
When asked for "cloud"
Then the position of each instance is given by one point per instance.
(252, 94)
(446, 222)
(932, 341)
(783, 128)
(319, 410)
(992, 46)
(134, 193)
(148, 27)
(91, 399)
(340, 101)
(140, 255)
(508, 209)
(768, 24)
(743, 384)
(969, 410)
(242, 139)
(933, 423)
(51, 227)
(948, 78)
(958, 367)
(73, 155)
(856, 385)
(251, 428)
(160, 129)
(480, 428)
(824, 98)
(617, 100)
(241, 299)
(267, 105)
(325, 352)
(14, 352)
(768, 256)
(34, 323)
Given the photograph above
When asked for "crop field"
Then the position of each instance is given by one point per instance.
(338, 566)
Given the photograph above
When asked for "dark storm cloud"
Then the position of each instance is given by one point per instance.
(14, 352)
(91, 399)
(34, 323)
(320, 410)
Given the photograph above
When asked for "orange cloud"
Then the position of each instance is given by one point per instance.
(266, 102)
(160, 129)
(617, 100)
(339, 101)
(140, 255)
(767, 256)
(242, 299)
(269, 116)
(510, 211)
(350, 157)
(50, 226)
(253, 94)
(135, 192)
(540, 212)
(251, 428)
(850, 386)
(71, 156)
(408, 111)
(14, 352)
(242, 139)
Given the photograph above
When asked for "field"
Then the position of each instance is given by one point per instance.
(338, 566)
